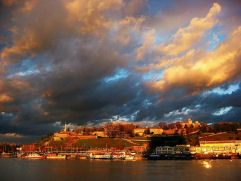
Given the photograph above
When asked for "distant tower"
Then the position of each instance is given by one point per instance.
(65, 127)
(189, 121)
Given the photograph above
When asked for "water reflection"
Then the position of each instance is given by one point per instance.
(117, 170)
(207, 164)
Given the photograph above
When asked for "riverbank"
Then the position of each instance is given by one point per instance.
(121, 155)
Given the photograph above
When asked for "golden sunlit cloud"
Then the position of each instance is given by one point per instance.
(211, 69)
(148, 39)
(90, 15)
(5, 98)
(188, 36)
(11, 135)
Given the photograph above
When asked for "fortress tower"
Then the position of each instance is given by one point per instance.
(65, 127)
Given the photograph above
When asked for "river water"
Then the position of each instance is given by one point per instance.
(98, 170)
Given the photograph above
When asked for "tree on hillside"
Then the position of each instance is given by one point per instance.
(163, 125)
(128, 129)
(147, 131)
(112, 130)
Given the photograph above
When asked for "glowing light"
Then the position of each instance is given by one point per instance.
(206, 164)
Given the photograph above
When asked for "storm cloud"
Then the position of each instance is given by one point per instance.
(94, 61)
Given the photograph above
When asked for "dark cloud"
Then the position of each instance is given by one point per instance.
(199, 107)
(61, 61)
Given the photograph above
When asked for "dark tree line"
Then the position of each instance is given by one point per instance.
(220, 127)
(6, 147)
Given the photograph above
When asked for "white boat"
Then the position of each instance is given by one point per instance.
(100, 156)
(118, 155)
(6, 155)
(129, 157)
(55, 156)
(33, 156)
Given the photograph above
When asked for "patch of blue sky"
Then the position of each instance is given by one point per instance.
(153, 75)
(137, 84)
(185, 111)
(127, 118)
(174, 116)
(215, 38)
(120, 73)
(158, 39)
(173, 113)
(27, 67)
(180, 114)
(222, 111)
(24, 73)
(163, 38)
(198, 106)
(221, 91)
(147, 103)
(117, 118)
(2, 46)
(134, 115)
(20, 68)
(29, 71)
(158, 6)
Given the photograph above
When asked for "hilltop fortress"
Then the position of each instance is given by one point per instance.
(59, 136)
(125, 130)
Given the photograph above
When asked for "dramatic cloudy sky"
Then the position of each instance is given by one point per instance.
(91, 61)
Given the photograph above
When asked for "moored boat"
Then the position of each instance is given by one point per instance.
(55, 156)
(129, 157)
(118, 155)
(154, 157)
(99, 156)
(33, 156)
(7, 155)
